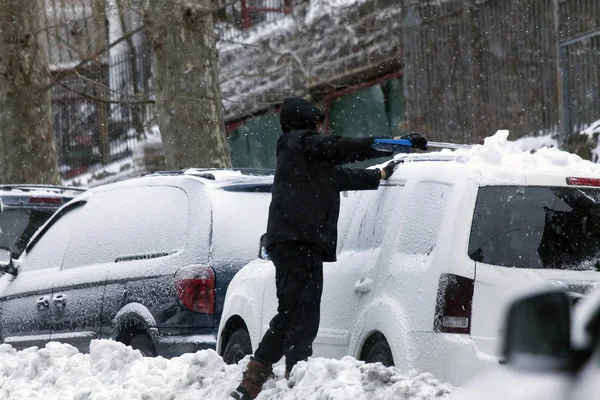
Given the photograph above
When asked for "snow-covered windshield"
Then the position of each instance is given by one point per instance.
(537, 227)
(17, 226)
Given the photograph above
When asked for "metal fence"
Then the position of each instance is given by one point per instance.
(237, 19)
(579, 61)
(472, 67)
(102, 111)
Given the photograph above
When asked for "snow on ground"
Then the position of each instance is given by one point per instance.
(593, 131)
(114, 371)
(514, 384)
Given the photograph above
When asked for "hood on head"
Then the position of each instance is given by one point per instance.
(299, 114)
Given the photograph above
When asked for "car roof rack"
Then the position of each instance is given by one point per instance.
(32, 187)
(208, 172)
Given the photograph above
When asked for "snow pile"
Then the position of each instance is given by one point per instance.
(114, 371)
(498, 152)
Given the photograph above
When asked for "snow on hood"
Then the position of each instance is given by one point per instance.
(114, 371)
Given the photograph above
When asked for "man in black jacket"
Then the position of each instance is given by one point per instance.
(302, 230)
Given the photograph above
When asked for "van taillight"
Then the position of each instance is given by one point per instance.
(45, 200)
(454, 304)
(195, 288)
(583, 181)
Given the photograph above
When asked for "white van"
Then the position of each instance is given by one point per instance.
(427, 261)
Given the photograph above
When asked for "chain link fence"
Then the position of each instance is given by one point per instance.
(102, 112)
(472, 67)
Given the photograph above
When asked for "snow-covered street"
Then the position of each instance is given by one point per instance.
(114, 371)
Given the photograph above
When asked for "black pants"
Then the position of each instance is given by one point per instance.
(299, 280)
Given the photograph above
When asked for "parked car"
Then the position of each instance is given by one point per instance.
(25, 208)
(145, 261)
(551, 345)
(426, 262)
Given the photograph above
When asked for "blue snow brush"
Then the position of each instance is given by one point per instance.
(404, 145)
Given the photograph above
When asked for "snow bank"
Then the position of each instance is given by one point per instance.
(114, 371)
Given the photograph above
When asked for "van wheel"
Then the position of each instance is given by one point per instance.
(379, 351)
(144, 344)
(238, 347)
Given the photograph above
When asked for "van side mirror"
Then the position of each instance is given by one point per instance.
(262, 251)
(6, 262)
(538, 332)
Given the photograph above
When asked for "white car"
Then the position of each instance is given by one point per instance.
(427, 261)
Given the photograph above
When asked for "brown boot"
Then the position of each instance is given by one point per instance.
(255, 375)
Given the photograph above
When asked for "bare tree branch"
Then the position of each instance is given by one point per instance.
(101, 100)
(62, 73)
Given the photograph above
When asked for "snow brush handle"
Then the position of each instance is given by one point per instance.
(397, 142)
(393, 145)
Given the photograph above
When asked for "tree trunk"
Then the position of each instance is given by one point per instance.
(27, 144)
(188, 97)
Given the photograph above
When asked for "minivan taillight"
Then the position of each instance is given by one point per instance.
(195, 288)
(45, 200)
(454, 304)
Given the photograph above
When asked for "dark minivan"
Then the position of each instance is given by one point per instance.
(145, 261)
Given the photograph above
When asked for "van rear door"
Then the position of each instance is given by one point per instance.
(527, 235)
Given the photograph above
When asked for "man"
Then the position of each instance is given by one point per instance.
(302, 230)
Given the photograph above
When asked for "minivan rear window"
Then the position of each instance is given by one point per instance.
(18, 225)
(537, 227)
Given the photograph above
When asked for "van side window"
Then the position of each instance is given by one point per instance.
(49, 249)
(130, 223)
(423, 212)
(370, 221)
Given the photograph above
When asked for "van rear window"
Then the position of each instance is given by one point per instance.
(537, 227)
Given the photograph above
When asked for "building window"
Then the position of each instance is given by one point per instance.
(370, 109)
(373, 108)
(252, 142)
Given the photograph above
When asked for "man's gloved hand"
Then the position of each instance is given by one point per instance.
(418, 141)
(389, 169)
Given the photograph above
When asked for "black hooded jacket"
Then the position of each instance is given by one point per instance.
(306, 201)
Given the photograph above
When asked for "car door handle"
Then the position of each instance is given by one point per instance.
(59, 300)
(364, 285)
(43, 303)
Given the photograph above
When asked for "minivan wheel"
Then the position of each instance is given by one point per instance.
(144, 344)
(238, 347)
(380, 352)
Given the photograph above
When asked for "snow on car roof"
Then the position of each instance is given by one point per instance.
(499, 156)
(211, 178)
